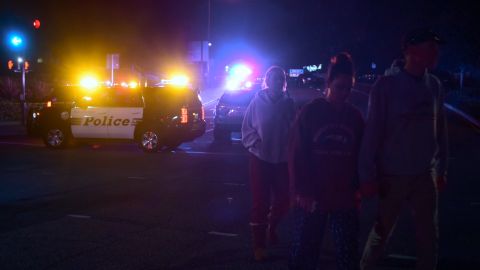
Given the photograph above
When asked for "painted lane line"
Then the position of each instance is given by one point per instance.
(23, 144)
(223, 234)
(136, 177)
(212, 153)
(79, 216)
(209, 130)
(234, 184)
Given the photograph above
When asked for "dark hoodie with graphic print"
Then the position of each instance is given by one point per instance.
(323, 154)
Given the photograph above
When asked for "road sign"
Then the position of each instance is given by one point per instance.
(113, 61)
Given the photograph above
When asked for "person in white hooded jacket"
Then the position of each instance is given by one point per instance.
(265, 133)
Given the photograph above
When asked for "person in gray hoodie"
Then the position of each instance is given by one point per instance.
(404, 145)
(265, 133)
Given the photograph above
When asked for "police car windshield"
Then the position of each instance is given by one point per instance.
(63, 94)
(109, 97)
(167, 97)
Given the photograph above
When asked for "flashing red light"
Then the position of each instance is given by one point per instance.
(36, 24)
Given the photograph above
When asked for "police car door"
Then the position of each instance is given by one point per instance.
(125, 112)
(88, 117)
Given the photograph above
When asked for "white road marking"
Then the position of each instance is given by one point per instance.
(223, 234)
(23, 144)
(211, 153)
(402, 257)
(209, 130)
(79, 216)
(136, 177)
(233, 184)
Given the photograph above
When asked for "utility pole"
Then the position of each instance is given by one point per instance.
(24, 104)
(21, 66)
(208, 40)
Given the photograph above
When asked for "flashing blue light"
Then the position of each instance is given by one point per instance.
(240, 71)
(16, 41)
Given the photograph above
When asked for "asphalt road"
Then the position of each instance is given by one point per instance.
(111, 206)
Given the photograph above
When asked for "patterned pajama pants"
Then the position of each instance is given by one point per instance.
(309, 232)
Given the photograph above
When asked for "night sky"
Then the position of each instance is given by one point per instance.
(154, 34)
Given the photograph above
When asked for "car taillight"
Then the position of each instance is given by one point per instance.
(184, 116)
(49, 104)
(203, 113)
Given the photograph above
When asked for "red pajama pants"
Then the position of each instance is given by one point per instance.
(270, 191)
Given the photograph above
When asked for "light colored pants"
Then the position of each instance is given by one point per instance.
(421, 194)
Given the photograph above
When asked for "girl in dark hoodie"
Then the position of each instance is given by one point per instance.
(323, 170)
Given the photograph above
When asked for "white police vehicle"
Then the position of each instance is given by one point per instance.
(155, 117)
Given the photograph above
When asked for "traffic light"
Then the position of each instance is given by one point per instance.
(36, 23)
(26, 65)
(10, 64)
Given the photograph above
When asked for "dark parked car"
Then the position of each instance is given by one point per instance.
(232, 105)
(230, 111)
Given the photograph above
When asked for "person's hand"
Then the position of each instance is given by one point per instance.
(369, 189)
(441, 182)
(306, 203)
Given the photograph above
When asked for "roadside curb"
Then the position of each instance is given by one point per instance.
(464, 115)
(10, 123)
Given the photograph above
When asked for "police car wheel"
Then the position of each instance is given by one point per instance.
(55, 138)
(150, 141)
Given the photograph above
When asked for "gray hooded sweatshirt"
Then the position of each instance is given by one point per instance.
(266, 127)
(405, 132)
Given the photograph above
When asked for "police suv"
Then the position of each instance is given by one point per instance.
(155, 117)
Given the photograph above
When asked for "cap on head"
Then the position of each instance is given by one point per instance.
(420, 35)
